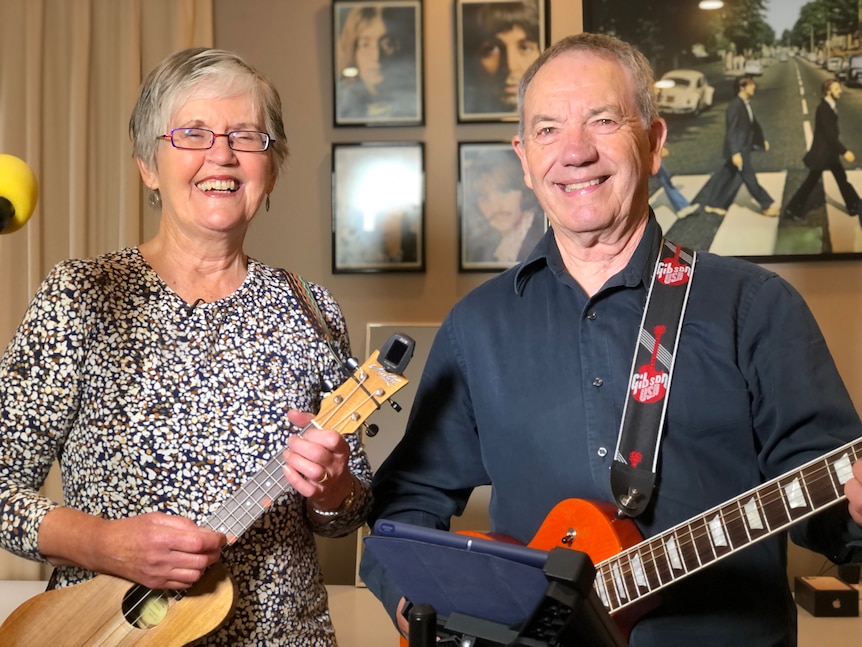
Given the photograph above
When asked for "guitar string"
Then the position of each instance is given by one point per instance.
(620, 571)
(144, 592)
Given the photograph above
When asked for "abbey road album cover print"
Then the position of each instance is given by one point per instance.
(698, 58)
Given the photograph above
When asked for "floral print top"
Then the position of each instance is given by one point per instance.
(149, 404)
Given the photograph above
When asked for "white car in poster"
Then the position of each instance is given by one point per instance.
(683, 92)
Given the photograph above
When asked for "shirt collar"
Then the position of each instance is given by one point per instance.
(637, 271)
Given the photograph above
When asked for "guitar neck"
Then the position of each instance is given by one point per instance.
(757, 514)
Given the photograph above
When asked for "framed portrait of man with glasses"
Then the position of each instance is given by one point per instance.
(377, 54)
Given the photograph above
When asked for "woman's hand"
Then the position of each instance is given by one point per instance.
(158, 550)
(316, 464)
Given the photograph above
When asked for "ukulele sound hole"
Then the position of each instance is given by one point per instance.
(145, 608)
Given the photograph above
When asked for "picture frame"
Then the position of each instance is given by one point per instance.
(378, 204)
(500, 220)
(495, 42)
(377, 63)
(712, 49)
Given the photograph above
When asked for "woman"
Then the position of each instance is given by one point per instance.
(164, 376)
(376, 62)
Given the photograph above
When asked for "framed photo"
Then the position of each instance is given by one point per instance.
(500, 219)
(378, 202)
(496, 41)
(377, 62)
(699, 57)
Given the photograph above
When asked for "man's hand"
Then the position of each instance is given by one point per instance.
(849, 157)
(853, 490)
(737, 160)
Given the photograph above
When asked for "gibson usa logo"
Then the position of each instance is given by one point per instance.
(672, 272)
(649, 384)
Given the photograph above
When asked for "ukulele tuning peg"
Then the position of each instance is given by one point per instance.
(328, 386)
(352, 363)
(371, 430)
(394, 405)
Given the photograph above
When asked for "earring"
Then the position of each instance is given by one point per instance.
(155, 199)
(266, 206)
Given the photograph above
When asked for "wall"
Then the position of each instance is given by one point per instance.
(290, 41)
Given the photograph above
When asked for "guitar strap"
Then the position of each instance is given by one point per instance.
(308, 304)
(633, 471)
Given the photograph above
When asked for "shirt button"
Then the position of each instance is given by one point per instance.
(602, 452)
(592, 315)
(597, 381)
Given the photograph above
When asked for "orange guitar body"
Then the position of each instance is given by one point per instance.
(591, 527)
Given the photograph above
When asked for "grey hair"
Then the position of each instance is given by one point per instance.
(202, 73)
(607, 47)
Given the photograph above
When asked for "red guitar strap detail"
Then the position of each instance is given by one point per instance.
(633, 472)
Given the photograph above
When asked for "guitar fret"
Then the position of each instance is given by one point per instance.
(688, 550)
(662, 561)
(601, 586)
(772, 508)
(735, 525)
(794, 496)
(702, 540)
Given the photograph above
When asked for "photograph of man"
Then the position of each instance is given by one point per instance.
(378, 63)
(743, 135)
(499, 41)
(825, 155)
(501, 220)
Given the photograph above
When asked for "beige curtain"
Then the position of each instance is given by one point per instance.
(69, 76)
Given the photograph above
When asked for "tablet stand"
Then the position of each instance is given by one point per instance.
(569, 615)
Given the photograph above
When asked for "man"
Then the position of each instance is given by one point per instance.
(824, 155)
(743, 135)
(501, 40)
(525, 383)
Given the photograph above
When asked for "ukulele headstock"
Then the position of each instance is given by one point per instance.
(368, 387)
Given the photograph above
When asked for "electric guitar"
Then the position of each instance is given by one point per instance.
(109, 611)
(629, 569)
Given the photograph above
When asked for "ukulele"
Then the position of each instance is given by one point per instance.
(109, 610)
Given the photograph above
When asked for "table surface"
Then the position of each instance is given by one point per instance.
(360, 620)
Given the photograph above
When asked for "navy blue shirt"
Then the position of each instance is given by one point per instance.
(524, 389)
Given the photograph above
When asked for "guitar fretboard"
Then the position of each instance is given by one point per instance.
(759, 513)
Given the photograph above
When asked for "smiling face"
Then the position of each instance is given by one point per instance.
(585, 150)
(214, 190)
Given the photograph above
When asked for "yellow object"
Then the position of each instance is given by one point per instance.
(19, 186)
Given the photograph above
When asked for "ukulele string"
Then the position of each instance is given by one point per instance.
(620, 570)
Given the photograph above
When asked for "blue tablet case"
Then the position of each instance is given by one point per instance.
(482, 578)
